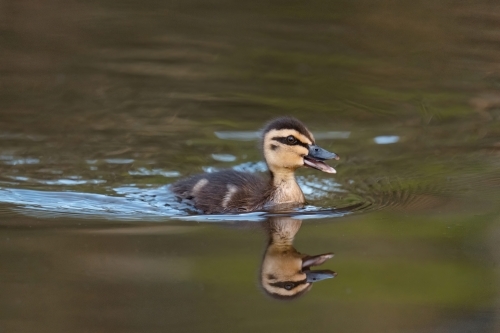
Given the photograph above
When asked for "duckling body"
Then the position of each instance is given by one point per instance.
(287, 145)
(225, 191)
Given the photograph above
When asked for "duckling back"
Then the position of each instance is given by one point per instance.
(224, 191)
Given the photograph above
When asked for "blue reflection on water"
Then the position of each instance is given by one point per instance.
(386, 139)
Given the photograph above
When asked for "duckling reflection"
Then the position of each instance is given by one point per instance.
(285, 272)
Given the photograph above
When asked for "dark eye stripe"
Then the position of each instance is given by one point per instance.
(283, 140)
(282, 284)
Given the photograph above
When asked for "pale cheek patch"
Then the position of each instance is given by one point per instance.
(287, 156)
(302, 151)
(295, 156)
(231, 190)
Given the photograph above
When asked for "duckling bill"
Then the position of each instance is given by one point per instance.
(287, 145)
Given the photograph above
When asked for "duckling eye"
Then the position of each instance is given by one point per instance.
(291, 139)
(288, 286)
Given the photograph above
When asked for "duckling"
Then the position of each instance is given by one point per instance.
(285, 273)
(287, 145)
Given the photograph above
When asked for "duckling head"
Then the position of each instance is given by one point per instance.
(289, 145)
(286, 273)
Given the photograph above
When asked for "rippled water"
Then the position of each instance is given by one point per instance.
(103, 105)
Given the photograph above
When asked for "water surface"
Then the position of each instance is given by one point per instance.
(103, 105)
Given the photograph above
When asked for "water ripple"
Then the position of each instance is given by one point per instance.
(132, 203)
